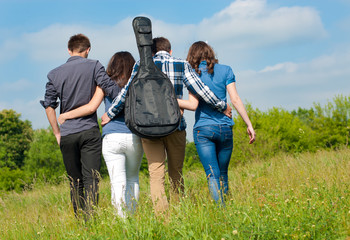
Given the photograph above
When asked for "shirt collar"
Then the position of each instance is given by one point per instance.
(72, 58)
(162, 54)
(203, 65)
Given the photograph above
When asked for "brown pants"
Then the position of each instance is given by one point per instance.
(156, 150)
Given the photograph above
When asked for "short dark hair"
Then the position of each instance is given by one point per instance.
(78, 43)
(120, 67)
(161, 44)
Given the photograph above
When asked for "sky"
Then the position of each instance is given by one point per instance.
(286, 54)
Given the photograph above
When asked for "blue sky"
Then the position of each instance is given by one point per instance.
(285, 54)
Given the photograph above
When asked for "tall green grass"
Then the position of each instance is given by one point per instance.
(287, 197)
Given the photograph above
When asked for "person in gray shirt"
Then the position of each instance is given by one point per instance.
(74, 84)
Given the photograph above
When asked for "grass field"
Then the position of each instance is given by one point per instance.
(305, 196)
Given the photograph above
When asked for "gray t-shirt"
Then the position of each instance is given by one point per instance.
(74, 83)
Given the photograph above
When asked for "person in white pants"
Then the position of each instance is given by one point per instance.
(121, 149)
(123, 154)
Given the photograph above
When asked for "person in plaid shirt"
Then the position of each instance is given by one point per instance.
(172, 146)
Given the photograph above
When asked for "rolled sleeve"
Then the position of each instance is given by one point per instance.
(230, 76)
(51, 97)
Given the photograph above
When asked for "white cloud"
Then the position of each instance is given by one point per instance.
(251, 23)
(17, 86)
(287, 67)
(345, 1)
(243, 26)
(50, 44)
(290, 85)
(10, 49)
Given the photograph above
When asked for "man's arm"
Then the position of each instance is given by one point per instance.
(50, 103)
(51, 116)
(200, 90)
(110, 87)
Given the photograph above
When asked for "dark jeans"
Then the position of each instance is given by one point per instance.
(82, 158)
(214, 145)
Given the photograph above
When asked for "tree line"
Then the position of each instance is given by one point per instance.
(28, 156)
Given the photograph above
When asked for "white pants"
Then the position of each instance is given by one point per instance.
(123, 155)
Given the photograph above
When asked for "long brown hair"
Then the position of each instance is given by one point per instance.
(120, 67)
(201, 51)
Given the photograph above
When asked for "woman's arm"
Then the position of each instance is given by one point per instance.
(84, 110)
(190, 104)
(238, 104)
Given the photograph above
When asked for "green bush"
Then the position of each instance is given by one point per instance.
(44, 159)
(277, 130)
(301, 130)
(12, 179)
(331, 123)
(15, 138)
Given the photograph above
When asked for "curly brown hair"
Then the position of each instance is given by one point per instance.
(201, 51)
(120, 67)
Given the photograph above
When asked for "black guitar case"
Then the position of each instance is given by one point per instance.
(151, 108)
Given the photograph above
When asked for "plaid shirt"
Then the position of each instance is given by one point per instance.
(179, 72)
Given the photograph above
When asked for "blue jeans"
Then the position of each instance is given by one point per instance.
(214, 145)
